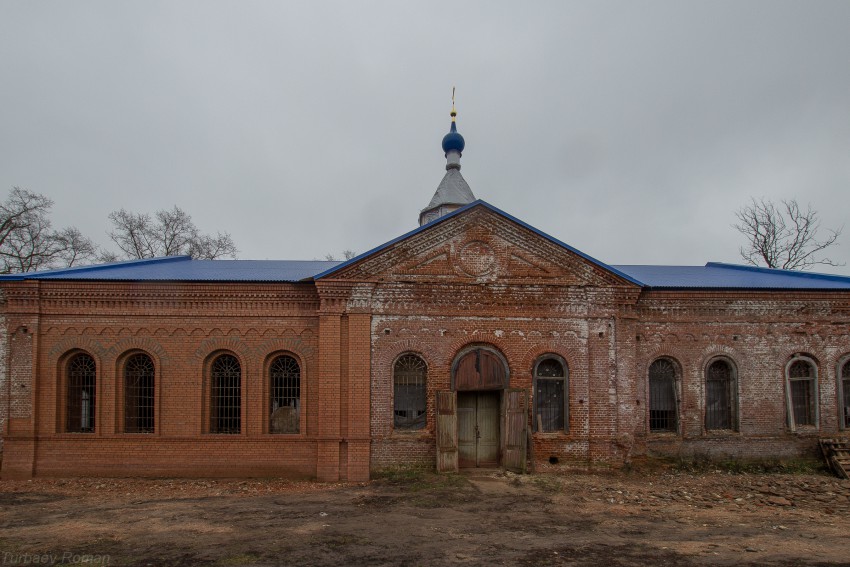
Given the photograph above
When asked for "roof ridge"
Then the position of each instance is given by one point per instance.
(764, 270)
(96, 267)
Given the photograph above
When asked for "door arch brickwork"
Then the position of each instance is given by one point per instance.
(480, 368)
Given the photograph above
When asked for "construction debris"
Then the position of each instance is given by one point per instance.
(837, 455)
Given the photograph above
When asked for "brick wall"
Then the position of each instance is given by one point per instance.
(477, 279)
(608, 359)
(759, 333)
(182, 327)
(4, 377)
(608, 334)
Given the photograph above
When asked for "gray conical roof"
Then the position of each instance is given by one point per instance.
(453, 190)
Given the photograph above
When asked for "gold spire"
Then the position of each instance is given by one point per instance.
(454, 112)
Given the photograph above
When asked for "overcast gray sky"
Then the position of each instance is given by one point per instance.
(630, 130)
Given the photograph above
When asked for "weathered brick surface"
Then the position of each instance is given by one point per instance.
(4, 377)
(478, 279)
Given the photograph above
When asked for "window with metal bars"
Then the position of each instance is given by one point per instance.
(720, 396)
(801, 384)
(845, 393)
(409, 392)
(550, 395)
(663, 405)
(225, 395)
(285, 393)
(139, 394)
(81, 380)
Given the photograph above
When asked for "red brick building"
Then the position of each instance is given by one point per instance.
(474, 340)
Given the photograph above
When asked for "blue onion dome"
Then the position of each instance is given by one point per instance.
(453, 140)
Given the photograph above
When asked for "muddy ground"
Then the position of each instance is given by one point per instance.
(657, 517)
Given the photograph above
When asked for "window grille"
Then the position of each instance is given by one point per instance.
(550, 406)
(663, 409)
(226, 395)
(845, 383)
(285, 390)
(139, 394)
(801, 377)
(719, 396)
(81, 399)
(409, 392)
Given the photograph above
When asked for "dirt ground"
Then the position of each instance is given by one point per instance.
(488, 517)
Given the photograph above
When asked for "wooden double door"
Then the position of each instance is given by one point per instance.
(478, 429)
(481, 429)
(481, 422)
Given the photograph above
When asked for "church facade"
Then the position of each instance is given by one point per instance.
(475, 340)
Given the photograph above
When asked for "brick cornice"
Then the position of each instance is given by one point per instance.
(737, 305)
(749, 294)
(333, 296)
(159, 298)
(21, 297)
(360, 298)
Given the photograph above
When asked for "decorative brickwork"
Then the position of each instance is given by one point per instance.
(4, 376)
(474, 280)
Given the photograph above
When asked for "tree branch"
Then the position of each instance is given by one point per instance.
(783, 237)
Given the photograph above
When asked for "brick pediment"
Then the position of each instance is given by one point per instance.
(480, 245)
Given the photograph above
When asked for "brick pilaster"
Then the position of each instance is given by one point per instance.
(358, 398)
(22, 393)
(331, 312)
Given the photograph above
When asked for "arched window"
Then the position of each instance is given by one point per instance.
(720, 396)
(409, 392)
(139, 394)
(845, 394)
(802, 393)
(551, 395)
(225, 395)
(663, 406)
(81, 381)
(285, 394)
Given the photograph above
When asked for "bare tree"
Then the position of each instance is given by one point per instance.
(73, 248)
(166, 233)
(346, 255)
(132, 233)
(783, 235)
(210, 247)
(27, 241)
(18, 215)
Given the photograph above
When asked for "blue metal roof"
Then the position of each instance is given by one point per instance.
(713, 275)
(183, 268)
(717, 275)
(478, 203)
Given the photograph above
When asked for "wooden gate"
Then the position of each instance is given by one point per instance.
(516, 423)
(446, 411)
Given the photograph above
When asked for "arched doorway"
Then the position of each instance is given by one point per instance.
(479, 377)
(481, 421)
